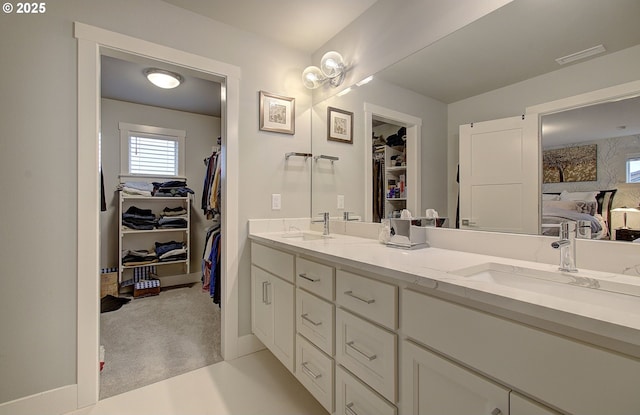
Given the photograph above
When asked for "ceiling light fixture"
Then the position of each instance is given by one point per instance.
(332, 70)
(581, 55)
(163, 79)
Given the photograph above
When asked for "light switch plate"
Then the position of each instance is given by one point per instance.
(340, 201)
(276, 201)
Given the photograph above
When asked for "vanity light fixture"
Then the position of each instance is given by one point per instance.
(332, 70)
(163, 79)
(581, 55)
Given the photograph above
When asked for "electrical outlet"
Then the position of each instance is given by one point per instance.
(276, 201)
(340, 201)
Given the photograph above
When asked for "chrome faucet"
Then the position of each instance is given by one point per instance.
(567, 246)
(346, 216)
(325, 220)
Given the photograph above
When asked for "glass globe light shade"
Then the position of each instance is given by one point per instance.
(332, 64)
(163, 79)
(312, 77)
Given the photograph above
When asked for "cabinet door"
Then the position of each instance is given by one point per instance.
(280, 295)
(432, 385)
(261, 306)
(519, 405)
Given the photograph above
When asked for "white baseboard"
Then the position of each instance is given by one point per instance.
(248, 344)
(54, 401)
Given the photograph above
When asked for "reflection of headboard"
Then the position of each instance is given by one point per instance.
(605, 202)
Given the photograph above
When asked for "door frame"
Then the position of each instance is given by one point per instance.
(91, 42)
(414, 139)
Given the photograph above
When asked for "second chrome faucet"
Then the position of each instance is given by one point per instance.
(567, 246)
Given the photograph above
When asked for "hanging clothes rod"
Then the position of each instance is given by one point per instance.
(296, 154)
(324, 156)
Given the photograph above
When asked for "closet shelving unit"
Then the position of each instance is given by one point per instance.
(135, 239)
(394, 174)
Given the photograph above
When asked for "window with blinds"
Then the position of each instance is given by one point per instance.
(151, 152)
(156, 156)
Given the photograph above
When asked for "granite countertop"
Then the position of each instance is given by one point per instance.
(601, 312)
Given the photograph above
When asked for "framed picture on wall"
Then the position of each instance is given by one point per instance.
(277, 113)
(339, 125)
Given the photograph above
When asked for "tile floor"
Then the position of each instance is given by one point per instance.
(257, 384)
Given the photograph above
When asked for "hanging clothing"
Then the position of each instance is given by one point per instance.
(211, 187)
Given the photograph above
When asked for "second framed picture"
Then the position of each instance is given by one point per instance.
(339, 125)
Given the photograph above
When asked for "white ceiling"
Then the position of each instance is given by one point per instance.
(301, 24)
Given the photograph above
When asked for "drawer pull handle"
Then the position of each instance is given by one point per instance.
(306, 317)
(496, 411)
(366, 356)
(364, 300)
(349, 409)
(309, 372)
(308, 278)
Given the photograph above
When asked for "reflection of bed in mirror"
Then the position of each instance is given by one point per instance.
(593, 206)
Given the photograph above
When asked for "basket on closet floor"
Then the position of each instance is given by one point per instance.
(146, 288)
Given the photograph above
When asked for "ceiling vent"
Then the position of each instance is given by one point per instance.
(581, 55)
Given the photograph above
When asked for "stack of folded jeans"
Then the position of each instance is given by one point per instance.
(173, 188)
(173, 218)
(141, 219)
(171, 251)
(172, 222)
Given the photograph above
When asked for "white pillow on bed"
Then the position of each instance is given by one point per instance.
(561, 204)
(586, 196)
(548, 196)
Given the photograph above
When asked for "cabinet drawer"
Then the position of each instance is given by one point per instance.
(376, 300)
(354, 397)
(315, 371)
(314, 320)
(316, 278)
(272, 260)
(367, 351)
(566, 374)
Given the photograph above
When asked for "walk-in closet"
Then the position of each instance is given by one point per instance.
(160, 223)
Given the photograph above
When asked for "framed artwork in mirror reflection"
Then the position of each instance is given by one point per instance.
(339, 125)
(277, 113)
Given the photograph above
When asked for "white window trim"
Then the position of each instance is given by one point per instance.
(630, 157)
(127, 129)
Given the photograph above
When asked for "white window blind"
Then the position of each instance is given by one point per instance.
(153, 155)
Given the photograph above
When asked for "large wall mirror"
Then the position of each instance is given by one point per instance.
(495, 67)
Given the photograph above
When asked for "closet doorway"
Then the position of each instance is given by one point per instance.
(92, 43)
(159, 316)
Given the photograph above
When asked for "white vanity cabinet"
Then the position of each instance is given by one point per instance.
(272, 300)
(560, 372)
(367, 343)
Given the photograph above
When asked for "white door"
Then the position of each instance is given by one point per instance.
(432, 385)
(500, 175)
(261, 306)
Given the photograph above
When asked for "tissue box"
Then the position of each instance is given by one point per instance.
(409, 233)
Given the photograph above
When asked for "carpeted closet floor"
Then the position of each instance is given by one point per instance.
(154, 338)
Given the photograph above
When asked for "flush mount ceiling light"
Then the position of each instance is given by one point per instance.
(332, 70)
(581, 55)
(163, 79)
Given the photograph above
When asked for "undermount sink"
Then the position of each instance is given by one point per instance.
(306, 236)
(574, 287)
